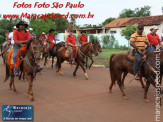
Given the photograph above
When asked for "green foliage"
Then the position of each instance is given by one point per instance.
(40, 25)
(93, 38)
(6, 24)
(128, 31)
(108, 20)
(109, 41)
(137, 12)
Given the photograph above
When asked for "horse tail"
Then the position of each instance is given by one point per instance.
(7, 73)
(112, 74)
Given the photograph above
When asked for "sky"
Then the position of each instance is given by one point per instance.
(102, 9)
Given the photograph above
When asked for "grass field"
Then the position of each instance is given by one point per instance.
(103, 58)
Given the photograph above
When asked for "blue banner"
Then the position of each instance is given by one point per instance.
(17, 112)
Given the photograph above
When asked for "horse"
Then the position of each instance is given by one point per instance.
(79, 58)
(97, 47)
(119, 64)
(28, 66)
(3, 49)
(53, 53)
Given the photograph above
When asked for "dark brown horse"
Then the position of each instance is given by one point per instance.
(79, 59)
(97, 48)
(119, 64)
(29, 66)
(53, 53)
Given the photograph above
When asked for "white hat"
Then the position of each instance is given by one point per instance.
(30, 29)
(43, 32)
(14, 27)
(154, 27)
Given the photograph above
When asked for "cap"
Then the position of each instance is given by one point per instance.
(154, 27)
(140, 27)
(30, 29)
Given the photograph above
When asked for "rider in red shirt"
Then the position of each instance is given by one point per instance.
(154, 39)
(21, 38)
(83, 39)
(71, 41)
(50, 38)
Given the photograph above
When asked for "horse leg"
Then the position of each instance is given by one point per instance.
(12, 81)
(74, 73)
(91, 62)
(141, 81)
(111, 86)
(86, 62)
(146, 90)
(52, 62)
(82, 66)
(119, 82)
(30, 91)
(123, 79)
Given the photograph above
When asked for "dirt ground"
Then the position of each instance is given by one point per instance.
(74, 99)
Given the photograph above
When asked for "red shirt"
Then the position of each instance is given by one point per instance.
(153, 39)
(43, 37)
(21, 36)
(71, 39)
(51, 37)
(83, 38)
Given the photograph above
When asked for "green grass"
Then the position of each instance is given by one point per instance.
(103, 58)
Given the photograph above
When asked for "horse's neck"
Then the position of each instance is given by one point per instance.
(86, 48)
(29, 55)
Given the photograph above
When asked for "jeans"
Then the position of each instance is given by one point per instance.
(152, 49)
(138, 60)
(16, 48)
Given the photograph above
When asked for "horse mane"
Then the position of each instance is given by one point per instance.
(86, 44)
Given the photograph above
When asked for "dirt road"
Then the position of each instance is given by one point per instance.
(68, 99)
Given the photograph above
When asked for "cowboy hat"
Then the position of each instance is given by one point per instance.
(51, 30)
(153, 27)
(43, 32)
(22, 23)
(30, 29)
(14, 27)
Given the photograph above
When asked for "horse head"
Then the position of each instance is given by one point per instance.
(93, 49)
(36, 48)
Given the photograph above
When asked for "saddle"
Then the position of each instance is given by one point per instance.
(131, 57)
(84, 43)
(66, 53)
(20, 54)
(51, 46)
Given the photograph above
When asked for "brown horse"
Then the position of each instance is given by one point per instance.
(79, 59)
(53, 53)
(29, 66)
(119, 64)
(97, 48)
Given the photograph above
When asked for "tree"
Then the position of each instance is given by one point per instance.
(61, 24)
(108, 20)
(128, 31)
(137, 12)
(6, 24)
(40, 25)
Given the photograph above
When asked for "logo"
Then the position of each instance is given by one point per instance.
(17, 112)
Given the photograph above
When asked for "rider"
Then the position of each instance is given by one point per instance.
(11, 38)
(83, 39)
(138, 41)
(71, 41)
(50, 38)
(6, 43)
(32, 35)
(43, 37)
(154, 39)
(20, 37)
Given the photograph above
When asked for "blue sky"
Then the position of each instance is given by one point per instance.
(102, 9)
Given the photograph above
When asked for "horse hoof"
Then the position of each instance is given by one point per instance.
(125, 97)
(74, 74)
(32, 98)
(15, 90)
(86, 76)
(146, 100)
(61, 73)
